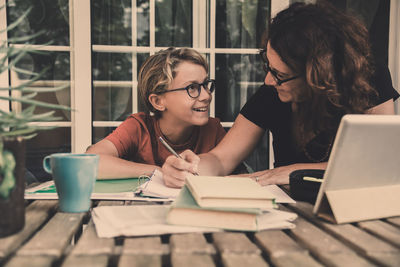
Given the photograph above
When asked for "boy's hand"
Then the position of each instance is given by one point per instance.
(175, 170)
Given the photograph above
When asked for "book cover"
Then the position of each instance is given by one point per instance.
(185, 211)
(214, 191)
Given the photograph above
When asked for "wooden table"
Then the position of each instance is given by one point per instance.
(52, 238)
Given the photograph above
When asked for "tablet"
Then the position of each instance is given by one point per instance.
(363, 170)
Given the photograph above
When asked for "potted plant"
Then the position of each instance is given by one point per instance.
(16, 126)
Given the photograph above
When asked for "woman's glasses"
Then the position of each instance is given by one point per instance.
(194, 89)
(273, 73)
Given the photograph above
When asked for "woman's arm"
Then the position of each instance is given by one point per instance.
(237, 144)
(222, 160)
(111, 166)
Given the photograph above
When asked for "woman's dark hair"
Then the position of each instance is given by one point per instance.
(331, 50)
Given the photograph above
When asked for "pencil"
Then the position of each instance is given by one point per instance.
(171, 150)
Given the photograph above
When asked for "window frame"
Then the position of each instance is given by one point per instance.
(394, 47)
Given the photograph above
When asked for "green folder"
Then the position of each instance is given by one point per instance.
(118, 189)
(103, 186)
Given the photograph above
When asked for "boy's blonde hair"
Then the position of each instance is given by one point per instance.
(158, 71)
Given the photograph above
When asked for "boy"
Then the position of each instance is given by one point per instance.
(175, 87)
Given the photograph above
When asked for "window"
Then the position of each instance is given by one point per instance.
(99, 46)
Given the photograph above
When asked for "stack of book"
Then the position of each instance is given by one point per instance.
(227, 203)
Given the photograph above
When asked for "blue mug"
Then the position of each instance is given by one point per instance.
(74, 176)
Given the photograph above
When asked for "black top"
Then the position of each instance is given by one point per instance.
(266, 110)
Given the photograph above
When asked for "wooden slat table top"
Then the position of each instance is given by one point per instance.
(36, 215)
(192, 243)
(282, 250)
(364, 243)
(52, 238)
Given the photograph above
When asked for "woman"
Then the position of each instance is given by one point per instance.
(319, 68)
(175, 87)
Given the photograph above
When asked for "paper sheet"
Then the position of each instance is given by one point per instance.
(155, 187)
(145, 220)
(280, 195)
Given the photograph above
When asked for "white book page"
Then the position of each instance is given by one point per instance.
(155, 187)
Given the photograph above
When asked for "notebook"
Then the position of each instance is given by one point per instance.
(216, 191)
(362, 179)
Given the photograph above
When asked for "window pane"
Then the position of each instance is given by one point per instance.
(57, 74)
(238, 77)
(112, 75)
(49, 16)
(241, 24)
(143, 23)
(173, 23)
(112, 102)
(111, 22)
(112, 66)
(46, 143)
(140, 60)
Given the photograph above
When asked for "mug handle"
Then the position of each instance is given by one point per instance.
(46, 164)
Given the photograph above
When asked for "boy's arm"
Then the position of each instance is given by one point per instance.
(111, 166)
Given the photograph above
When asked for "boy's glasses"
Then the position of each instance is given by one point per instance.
(273, 73)
(194, 89)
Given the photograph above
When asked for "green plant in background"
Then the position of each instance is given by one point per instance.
(19, 124)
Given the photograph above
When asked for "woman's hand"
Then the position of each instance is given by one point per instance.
(280, 175)
(175, 170)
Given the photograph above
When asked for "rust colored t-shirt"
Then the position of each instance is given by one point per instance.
(136, 139)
